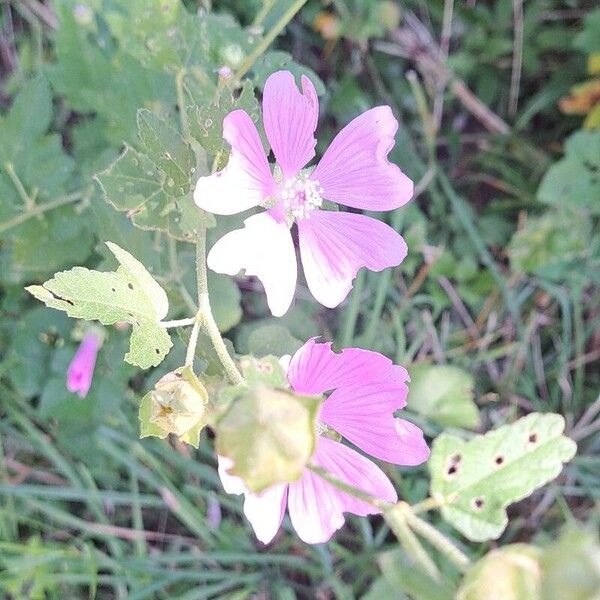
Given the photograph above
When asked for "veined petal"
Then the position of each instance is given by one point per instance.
(365, 416)
(246, 180)
(316, 368)
(335, 245)
(317, 507)
(355, 171)
(290, 119)
(263, 248)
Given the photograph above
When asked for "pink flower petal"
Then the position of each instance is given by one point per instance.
(263, 248)
(365, 416)
(316, 368)
(81, 369)
(316, 507)
(335, 245)
(246, 180)
(290, 120)
(355, 171)
(265, 510)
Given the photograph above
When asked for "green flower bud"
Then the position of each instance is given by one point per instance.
(178, 404)
(269, 435)
(511, 573)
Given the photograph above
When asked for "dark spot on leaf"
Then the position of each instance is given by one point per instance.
(113, 289)
(453, 463)
(478, 503)
(532, 439)
(157, 350)
(130, 286)
(499, 460)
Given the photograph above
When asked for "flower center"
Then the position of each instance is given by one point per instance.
(300, 196)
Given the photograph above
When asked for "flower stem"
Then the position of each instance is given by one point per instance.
(397, 520)
(206, 319)
(425, 505)
(438, 540)
(267, 40)
(191, 349)
(178, 323)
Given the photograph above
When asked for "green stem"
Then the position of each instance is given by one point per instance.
(438, 540)
(206, 318)
(425, 505)
(397, 521)
(191, 349)
(28, 200)
(178, 323)
(39, 209)
(267, 40)
(263, 12)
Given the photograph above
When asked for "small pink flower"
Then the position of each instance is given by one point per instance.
(367, 390)
(81, 368)
(354, 171)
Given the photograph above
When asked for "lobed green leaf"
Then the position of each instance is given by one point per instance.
(476, 480)
(129, 294)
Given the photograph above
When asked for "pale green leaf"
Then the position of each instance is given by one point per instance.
(476, 480)
(272, 339)
(444, 394)
(128, 294)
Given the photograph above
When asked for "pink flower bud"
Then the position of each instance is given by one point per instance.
(81, 368)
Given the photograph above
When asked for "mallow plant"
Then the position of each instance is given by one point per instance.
(312, 434)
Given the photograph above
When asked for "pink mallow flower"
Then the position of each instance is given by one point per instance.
(81, 368)
(354, 171)
(367, 390)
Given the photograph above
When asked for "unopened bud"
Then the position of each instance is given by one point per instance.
(177, 404)
(268, 434)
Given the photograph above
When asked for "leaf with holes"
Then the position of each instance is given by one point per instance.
(128, 294)
(476, 480)
(154, 186)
